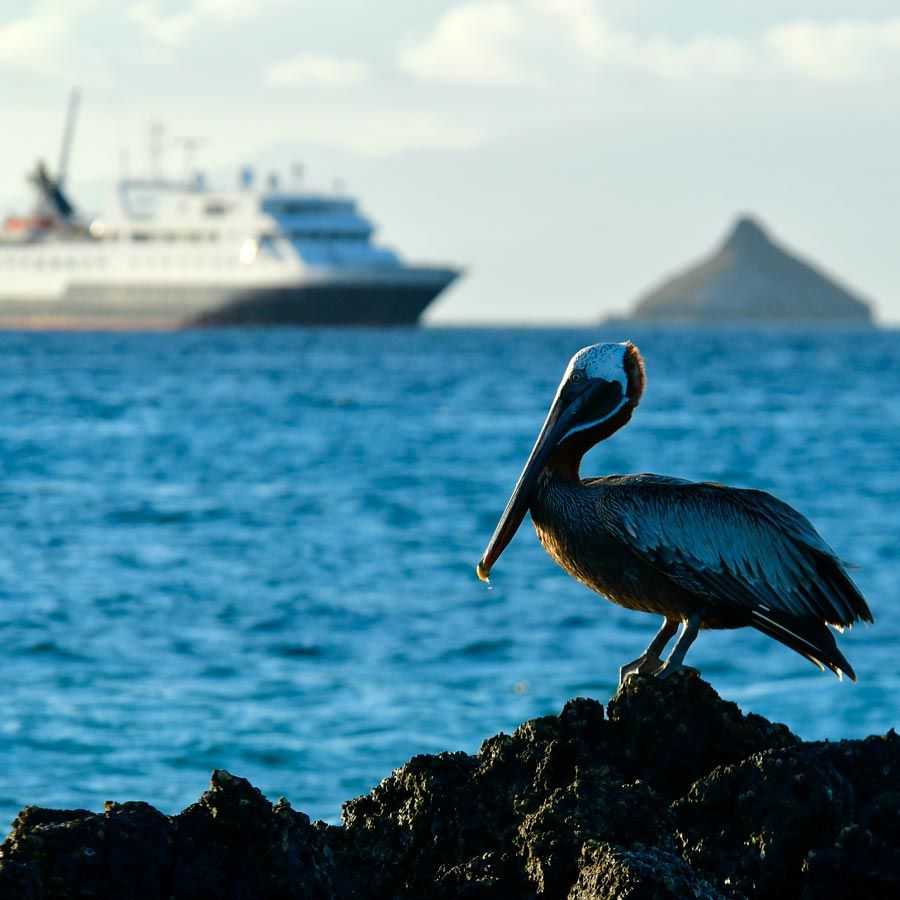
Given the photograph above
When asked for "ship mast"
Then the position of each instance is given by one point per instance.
(68, 133)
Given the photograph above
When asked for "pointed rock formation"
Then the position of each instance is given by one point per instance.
(750, 277)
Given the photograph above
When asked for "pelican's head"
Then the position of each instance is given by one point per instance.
(599, 390)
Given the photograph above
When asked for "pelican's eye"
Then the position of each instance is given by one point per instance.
(575, 377)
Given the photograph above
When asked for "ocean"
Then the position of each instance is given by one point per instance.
(255, 549)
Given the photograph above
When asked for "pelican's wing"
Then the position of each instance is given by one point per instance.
(732, 547)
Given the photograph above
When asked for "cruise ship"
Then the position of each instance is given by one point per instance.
(180, 254)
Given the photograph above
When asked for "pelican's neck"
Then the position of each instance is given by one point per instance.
(565, 461)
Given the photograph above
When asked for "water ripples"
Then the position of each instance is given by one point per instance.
(255, 549)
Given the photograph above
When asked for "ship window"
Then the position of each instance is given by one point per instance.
(268, 246)
(308, 207)
(216, 208)
(141, 236)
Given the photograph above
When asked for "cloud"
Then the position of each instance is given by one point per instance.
(507, 42)
(530, 42)
(171, 29)
(836, 51)
(36, 42)
(549, 42)
(316, 70)
(476, 43)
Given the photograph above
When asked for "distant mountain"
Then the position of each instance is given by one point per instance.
(750, 277)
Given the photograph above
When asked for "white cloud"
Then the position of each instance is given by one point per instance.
(530, 42)
(836, 51)
(36, 42)
(508, 42)
(316, 70)
(527, 42)
(170, 29)
(476, 43)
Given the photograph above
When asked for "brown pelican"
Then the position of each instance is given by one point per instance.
(700, 554)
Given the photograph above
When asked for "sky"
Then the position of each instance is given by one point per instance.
(568, 153)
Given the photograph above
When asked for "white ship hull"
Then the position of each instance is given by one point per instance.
(347, 297)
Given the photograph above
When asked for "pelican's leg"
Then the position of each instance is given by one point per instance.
(649, 661)
(675, 660)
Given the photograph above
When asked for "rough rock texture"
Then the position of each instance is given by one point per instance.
(673, 793)
(750, 277)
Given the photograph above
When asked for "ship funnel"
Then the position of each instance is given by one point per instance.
(53, 201)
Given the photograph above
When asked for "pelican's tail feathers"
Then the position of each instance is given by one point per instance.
(810, 638)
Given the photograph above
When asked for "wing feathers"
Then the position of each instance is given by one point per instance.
(810, 639)
(736, 548)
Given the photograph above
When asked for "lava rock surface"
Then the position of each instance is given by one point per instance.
(671, 792)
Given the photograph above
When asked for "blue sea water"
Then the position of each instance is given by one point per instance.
(255, 549)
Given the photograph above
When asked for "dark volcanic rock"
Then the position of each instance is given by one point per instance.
(672, 737)
(232, 843)
(125, 851)
(674, 794)
(865, 859)
(769, 812)
(750, 277)
(641, 873)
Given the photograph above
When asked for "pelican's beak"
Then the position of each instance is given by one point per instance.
(559, 420)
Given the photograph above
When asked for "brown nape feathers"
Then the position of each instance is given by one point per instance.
(635, 372)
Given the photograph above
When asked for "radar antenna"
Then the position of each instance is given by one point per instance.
(189, 144)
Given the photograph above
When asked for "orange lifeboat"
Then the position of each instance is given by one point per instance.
(28, 223)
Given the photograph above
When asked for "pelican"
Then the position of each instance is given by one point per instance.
(700, 554)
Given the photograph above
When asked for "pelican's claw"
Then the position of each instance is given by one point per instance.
(647, 664)
(666, 671)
